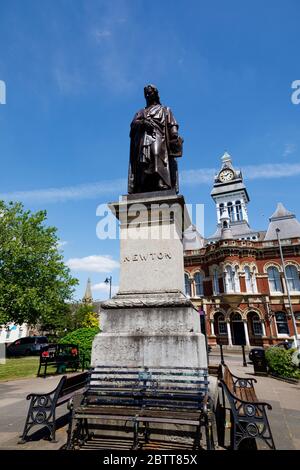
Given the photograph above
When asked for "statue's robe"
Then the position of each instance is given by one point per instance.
(143, 167)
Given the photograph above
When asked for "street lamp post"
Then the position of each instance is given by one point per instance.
(108, 281)
(288, 290)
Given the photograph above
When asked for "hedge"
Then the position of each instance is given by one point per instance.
(84, 338)
(280, 362)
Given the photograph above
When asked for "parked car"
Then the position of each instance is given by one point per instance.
(287, 344)
(27, 346)
(258, 351)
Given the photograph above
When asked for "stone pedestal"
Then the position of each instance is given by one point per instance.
(150, 322)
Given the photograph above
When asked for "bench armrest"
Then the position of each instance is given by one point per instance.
(243, 402)
(57, 389)
(75, 401)
(36, 395)
(241, 382)
(245, 379)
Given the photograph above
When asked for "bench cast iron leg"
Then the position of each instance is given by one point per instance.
(147, 432)
(135, 444)
(197, 440)
(70, 443)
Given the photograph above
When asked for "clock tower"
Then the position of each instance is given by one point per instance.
(230, 194)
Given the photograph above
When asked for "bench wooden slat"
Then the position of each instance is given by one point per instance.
(247, 412)
(161, 395)
(132, 411)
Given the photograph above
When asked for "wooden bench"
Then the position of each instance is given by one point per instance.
(62, 356)
(249, 416)
(42, 408)
(142, 397)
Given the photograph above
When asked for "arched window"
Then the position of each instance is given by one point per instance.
(297, 319)
(187, 283)
(216, 289)
(198, 284)
(237, 287)
(281, 323)
(274, 279)
(256, 325)
(230, 281)
(221, 206)
(230, 211)
(222, 328)
(248, 279)
(238, 210)
(236, 317)
(292, 276)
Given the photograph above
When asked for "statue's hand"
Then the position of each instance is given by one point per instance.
(148, 126)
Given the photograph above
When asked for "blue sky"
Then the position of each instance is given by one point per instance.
(74, 74)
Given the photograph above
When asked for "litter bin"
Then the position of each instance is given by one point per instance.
(259, 362)
(61, 368)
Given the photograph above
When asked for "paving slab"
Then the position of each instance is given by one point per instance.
(14, 408)
(284, 398)
(284, 417)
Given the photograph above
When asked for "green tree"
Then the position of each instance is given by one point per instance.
(86, 317)
(77, 315)
(34, 281)
(83, 337)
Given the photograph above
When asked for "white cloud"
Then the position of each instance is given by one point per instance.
(251, 172)
(67, 193)
(61, 243)
(202, 175)
(68, 81)
(93, 263)
(102, 287)
(289, 149)
(101, 34)
(271, 170)
(118, 186)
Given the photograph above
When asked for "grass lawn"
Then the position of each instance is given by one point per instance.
(22, 367)
(19, 367)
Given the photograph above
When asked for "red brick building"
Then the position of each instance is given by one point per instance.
(236, 277)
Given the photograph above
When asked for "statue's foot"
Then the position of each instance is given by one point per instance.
(162, 185)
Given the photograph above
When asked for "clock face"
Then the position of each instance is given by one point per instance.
(226, 175)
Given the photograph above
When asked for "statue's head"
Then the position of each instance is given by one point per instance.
(151, 94)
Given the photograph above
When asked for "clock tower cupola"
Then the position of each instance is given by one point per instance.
(230, 194)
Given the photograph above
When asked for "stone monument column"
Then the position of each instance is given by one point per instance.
(150, 322)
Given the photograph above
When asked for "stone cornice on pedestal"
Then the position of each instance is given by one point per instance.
(148, 300)
(149, 200)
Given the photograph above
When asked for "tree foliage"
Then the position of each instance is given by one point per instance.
(34, 281)
(87, 316)
(71, 317)
(83, 337)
